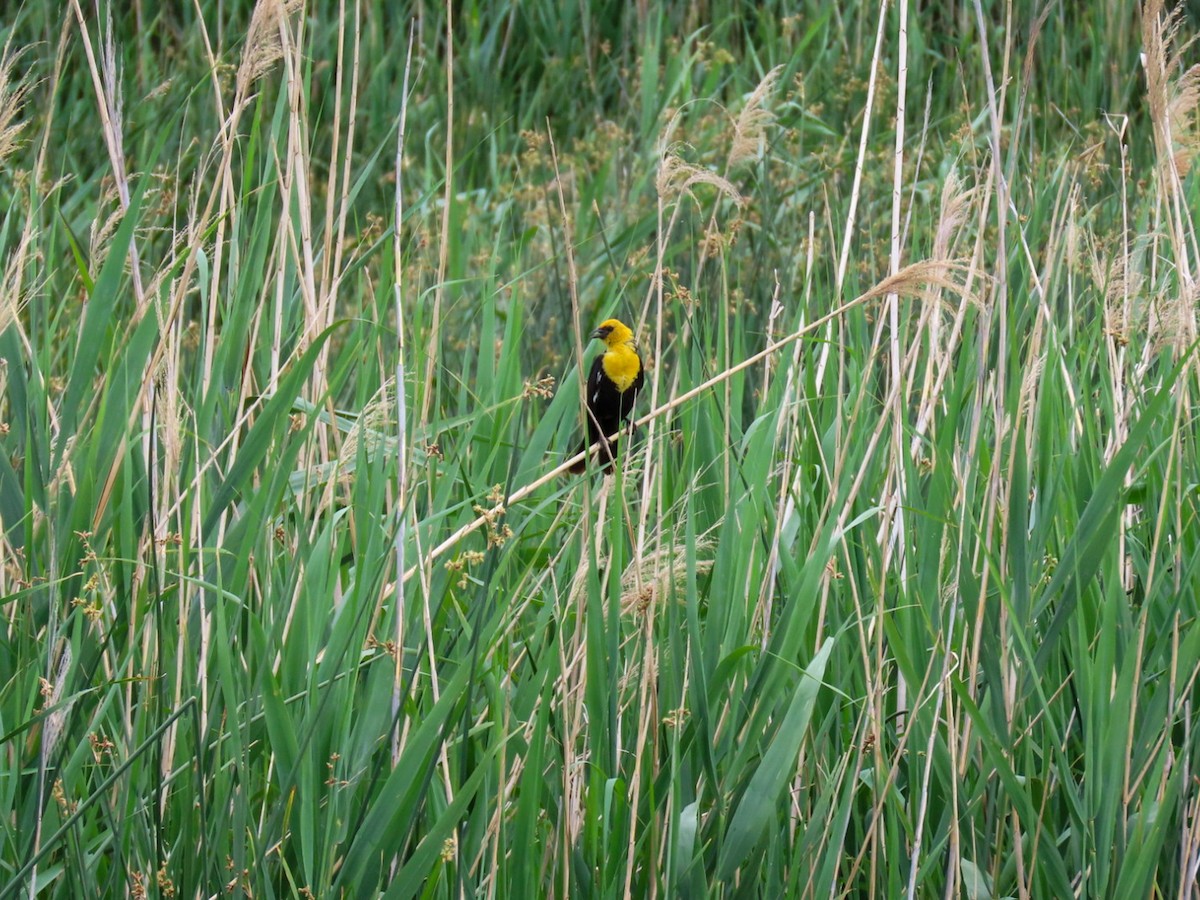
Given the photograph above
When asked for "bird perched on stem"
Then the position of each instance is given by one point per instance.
(616, 377)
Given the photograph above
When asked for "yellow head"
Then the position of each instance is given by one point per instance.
(613, 332)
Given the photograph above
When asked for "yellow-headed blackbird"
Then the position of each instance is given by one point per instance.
(616, 377)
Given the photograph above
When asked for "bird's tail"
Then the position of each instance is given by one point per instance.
(577, 468)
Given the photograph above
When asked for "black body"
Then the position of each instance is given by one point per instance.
(608, 408)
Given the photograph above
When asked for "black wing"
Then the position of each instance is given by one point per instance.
(607, 405)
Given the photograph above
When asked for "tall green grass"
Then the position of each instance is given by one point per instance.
(894, 594)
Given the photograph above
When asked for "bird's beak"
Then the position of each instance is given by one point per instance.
(599, 334)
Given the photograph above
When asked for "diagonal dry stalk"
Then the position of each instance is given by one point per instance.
(913, 280)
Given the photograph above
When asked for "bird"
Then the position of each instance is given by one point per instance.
(616, 376)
